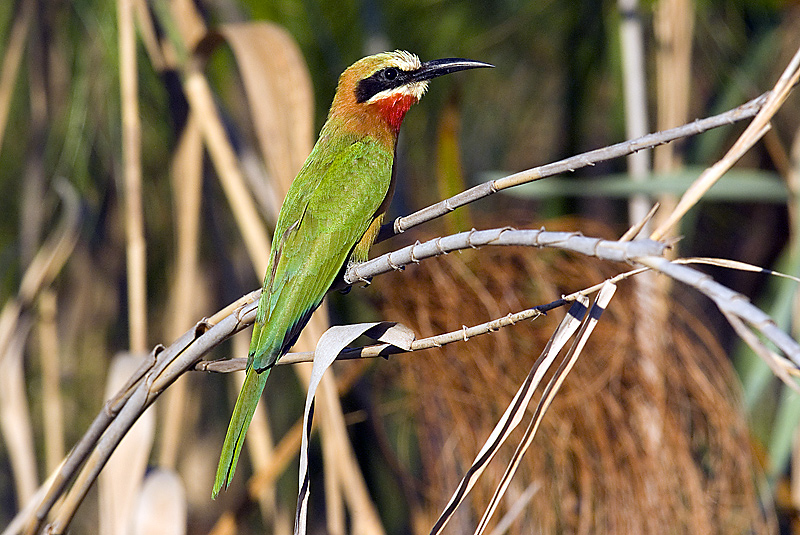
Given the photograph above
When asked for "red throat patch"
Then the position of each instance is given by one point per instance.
(393, 109)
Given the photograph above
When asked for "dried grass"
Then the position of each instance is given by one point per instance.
(603, 463)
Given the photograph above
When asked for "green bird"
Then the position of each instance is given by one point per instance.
(331, 215)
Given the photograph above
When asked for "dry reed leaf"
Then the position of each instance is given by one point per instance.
(515, 412)
(15, 419)
(330, 344)
(161, 507)
(345, 472)
(550, 391)
(598, 470)
(279, 93)
(121, 478)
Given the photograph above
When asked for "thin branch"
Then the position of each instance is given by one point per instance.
(617, 251)
(745, 111)
(439, 340)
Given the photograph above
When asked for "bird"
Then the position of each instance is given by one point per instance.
(331, 215)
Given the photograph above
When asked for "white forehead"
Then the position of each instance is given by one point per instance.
(405, 61)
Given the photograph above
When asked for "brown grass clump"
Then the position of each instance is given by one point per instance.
(611, 456)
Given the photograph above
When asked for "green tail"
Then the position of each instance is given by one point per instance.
(254, 384)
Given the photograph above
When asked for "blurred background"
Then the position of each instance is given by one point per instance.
(145, 147)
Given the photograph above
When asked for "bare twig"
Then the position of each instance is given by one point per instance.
(618, 251)
(402, 224)
(439, 340)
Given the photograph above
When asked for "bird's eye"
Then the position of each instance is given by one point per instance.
(390, 73)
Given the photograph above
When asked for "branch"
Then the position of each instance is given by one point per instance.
(745, 111)
(439, 340)
(732, 304)
(165, 365)
(617, 251)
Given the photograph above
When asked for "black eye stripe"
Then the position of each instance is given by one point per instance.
(381, 80)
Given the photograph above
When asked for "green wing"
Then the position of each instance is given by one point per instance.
(327, 210)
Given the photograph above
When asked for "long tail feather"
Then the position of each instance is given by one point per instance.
(254, 383)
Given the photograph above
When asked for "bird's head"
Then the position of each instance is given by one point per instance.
(376, 92)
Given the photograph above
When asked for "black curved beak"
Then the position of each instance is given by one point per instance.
(440, 67)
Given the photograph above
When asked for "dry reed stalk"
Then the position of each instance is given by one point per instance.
(635, 97)
(673, 26)
(186, 176)
(52, 406)
(147, 34)
(248, 220)
(651, 302)
(189, 22)
(186, 173)
(13, 57)
(674, 32)
(136, 251)
(184, 17)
